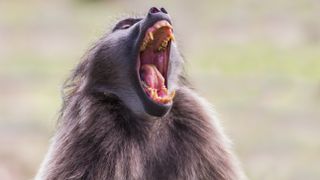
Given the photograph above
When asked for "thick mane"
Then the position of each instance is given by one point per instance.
(78, 78)
(79, 75)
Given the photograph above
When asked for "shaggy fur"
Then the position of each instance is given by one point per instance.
(100, 136)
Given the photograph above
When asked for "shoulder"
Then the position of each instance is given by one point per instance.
(195, 112)
(188, 102)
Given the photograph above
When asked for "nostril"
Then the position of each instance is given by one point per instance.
(154, 10)
(163, 10)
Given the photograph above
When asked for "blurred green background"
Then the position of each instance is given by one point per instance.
(257, 61)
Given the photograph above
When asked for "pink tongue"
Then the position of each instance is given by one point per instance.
(151, 76)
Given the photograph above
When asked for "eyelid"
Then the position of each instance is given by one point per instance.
(125, 26)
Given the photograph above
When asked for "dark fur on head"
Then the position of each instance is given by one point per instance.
(106, 130)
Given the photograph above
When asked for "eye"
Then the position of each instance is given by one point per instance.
(125, 24)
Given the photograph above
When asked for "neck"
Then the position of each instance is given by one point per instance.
(92, 113)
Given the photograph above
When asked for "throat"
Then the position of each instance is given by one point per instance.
(158, 58)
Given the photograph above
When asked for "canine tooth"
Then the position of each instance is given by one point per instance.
(172, 37)
(150, 34)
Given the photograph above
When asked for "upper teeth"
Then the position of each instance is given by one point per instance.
(164, 43)
(149, 35)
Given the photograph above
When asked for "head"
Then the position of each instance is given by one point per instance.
(138, 62)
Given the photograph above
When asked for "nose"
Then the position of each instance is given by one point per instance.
(155, 10)
(163, 10)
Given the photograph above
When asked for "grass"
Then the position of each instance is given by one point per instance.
(261, 59)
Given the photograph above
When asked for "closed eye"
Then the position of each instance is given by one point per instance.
(125, 24)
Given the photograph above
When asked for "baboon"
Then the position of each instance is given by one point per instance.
(130, 114)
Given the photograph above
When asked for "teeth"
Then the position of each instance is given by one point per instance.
(143, 46)
(164, 89)
(166, 99)
(153, 93)
(146, 40)
(172, 37)
(150, 35)
(164, 43)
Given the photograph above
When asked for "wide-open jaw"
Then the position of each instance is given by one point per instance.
(139, 63)
(153, 61)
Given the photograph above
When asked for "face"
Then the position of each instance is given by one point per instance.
(139, 63)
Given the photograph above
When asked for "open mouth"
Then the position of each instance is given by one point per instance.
(154, 60)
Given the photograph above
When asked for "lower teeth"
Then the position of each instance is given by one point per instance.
(153, 93)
